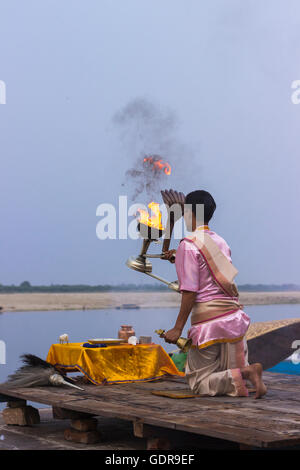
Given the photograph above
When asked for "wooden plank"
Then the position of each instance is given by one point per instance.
(4, 398)
(271, 421)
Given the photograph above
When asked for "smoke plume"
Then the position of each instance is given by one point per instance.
(149, 130)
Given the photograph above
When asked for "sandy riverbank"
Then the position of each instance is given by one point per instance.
(107, 300)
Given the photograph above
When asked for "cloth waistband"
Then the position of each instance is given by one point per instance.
(205, 311)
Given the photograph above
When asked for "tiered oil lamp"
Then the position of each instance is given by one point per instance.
(151, 230)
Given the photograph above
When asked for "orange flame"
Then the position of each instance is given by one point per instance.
(159, 164)
(155, 220)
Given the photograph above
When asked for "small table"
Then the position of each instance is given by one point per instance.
(114, 364)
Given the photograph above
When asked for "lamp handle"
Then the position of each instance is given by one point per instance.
(172, 285)
(169, 230)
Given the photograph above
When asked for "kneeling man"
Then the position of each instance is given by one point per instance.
(217, 363)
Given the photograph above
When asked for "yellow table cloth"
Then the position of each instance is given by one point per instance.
(114, 364)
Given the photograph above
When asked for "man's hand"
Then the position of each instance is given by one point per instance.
(172, 335)
(169, 255)
(171, 197)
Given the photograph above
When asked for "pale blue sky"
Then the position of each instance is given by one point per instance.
(225, 67)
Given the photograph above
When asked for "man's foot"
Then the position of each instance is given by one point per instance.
(254, 374)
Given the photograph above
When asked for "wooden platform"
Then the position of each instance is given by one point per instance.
(273, 421)
(49, 435)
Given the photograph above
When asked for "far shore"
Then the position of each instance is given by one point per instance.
(112, 300)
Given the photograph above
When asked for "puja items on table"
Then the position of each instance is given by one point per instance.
(125, 332)
(115, 363)
(145, 339)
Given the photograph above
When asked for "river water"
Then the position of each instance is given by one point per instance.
(34, 332)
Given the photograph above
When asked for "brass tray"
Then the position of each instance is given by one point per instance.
(108, 341)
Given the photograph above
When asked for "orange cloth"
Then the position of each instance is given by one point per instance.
(114, 364)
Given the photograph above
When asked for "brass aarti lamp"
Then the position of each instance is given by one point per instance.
(141, 263)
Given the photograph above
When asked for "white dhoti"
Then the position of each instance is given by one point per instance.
(215, 370)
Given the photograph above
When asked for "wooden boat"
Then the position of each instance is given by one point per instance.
(271, 342)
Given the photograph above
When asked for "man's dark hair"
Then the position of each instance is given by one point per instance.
(202, 197)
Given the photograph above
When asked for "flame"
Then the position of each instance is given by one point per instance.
(158, 164)
(155, 220)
